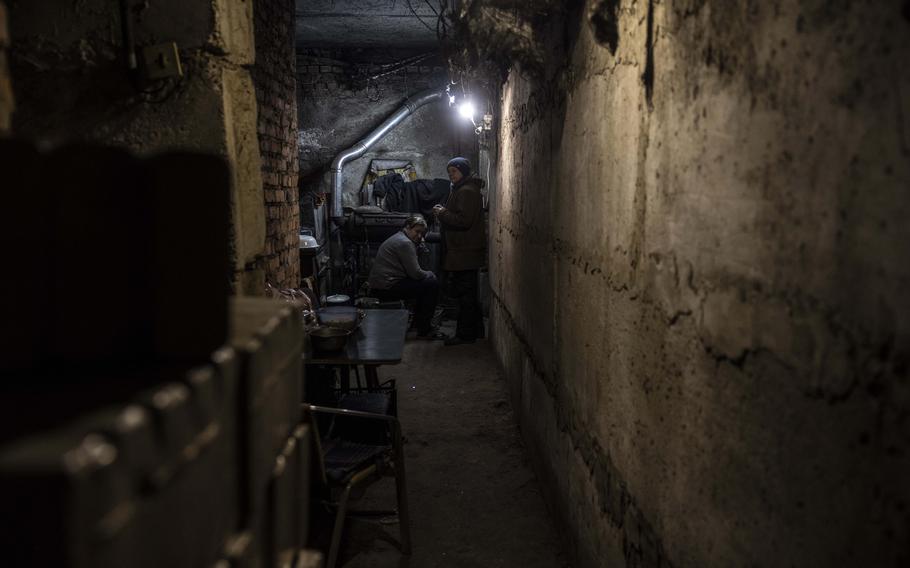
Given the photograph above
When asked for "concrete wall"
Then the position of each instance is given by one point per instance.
(274, 76)
(339, 104)
(699, 259)
(70, 83)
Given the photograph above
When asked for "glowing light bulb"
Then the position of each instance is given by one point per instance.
(466, 110)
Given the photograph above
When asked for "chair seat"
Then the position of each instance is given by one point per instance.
(343, 459)
(375, 402)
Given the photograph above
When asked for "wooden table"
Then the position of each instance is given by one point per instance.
(378, 341)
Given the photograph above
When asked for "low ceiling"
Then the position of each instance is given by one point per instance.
(369, 23)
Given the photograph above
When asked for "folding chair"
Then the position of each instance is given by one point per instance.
(346, 464)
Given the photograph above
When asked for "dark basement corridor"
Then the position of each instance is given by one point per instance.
(474, 499)
(684, 223)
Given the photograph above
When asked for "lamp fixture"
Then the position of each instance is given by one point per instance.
(466, 110)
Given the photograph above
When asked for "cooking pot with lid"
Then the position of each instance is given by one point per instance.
(341, 317)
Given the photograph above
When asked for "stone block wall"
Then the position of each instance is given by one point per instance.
(274, 76)
(71, 84)
(699, 264)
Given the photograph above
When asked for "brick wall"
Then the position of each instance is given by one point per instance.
(275, 81)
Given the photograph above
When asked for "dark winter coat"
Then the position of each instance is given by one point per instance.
(463, 227)
(418, 196)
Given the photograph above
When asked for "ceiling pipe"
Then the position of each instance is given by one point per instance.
(358, 149)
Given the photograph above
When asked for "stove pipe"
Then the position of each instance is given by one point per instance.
(358, 149)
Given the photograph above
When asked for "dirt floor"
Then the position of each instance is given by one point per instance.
(474, 499)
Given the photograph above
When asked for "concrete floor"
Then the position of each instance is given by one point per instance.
(474, 499)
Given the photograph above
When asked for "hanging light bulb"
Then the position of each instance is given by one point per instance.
(466, 110)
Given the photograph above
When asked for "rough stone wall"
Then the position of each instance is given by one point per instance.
(274, 76)
(699, 264)
(339, 104)
(70, 82)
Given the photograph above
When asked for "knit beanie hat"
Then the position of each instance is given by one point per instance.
(462, 164)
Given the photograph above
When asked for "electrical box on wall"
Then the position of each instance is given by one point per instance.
(161, 61)
(488, 121)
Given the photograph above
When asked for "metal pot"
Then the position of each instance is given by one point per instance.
(328, 338)
(341, 317)
(308, 243)
(338, 300)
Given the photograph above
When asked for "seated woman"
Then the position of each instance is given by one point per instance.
(396, 275)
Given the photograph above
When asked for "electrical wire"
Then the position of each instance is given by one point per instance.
(394, 67)
(441, 21)
(411, 8)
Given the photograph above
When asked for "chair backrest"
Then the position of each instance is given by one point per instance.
(310, 418)
(363, 430)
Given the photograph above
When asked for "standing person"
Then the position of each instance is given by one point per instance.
(396, 275)
(463, 230)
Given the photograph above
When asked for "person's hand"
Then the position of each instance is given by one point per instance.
(437, 209)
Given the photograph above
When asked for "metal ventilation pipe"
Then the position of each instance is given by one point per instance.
(358, 149)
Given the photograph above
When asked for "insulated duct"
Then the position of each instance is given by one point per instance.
(358, 149)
